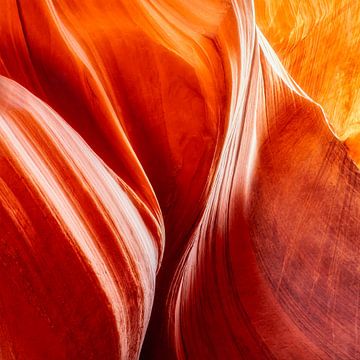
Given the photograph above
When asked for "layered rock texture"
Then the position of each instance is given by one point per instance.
(178, 179)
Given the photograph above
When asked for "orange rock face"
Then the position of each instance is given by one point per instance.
(177, 179)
